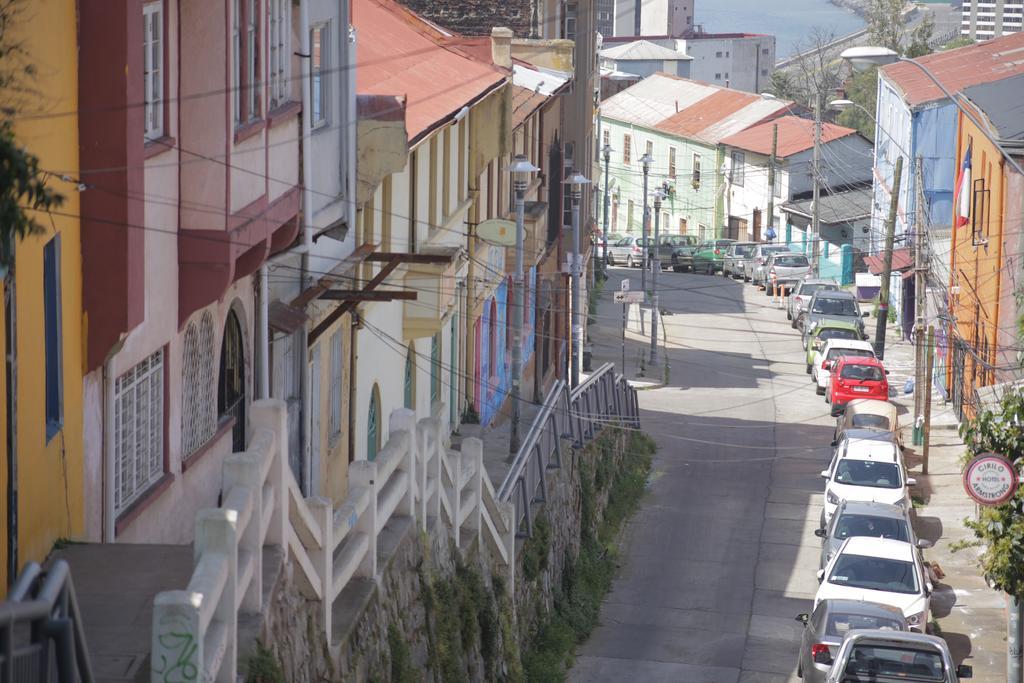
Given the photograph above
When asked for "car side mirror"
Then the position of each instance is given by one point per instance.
(828, 365)
(821, 533)
(821, 575)
(911, 481)
(964, 671)
(824, 475)
(887, 372)
(865, 314)
(924, 543)
(928, 587)
(803, 618)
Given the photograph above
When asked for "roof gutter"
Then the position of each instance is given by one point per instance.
(450, 118)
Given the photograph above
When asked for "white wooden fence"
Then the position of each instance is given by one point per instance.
(416, 474)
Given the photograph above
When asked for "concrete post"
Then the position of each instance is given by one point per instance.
(242, 471)
(364, 473)
(272, 414)
(217, 535)
(177, 646)
(473, 452)
(403, 422)
(323, 558)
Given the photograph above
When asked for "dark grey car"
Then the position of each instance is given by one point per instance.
(801, 295)
(754, 266)
(682, 254)
(736, 258)
(878, 520)
(667, 244)
(825, 628)
(831, 305)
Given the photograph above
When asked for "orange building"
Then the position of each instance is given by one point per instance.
(985, 256)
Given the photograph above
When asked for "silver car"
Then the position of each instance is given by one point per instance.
(885, 656)
(785, 269)
(825, 628)
(855, 518)
(627, 251)
(735, 258)
(753, 268)
(801, 295)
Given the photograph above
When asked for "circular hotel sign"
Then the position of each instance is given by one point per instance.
(990, 479)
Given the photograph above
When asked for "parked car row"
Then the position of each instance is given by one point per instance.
(870, 613)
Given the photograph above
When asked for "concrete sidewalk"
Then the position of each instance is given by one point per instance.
(967, 613)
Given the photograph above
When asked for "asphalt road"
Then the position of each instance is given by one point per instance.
(721, 556)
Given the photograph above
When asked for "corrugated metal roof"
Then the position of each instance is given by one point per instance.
(1003, 104)
(545, 82)
(642, 49)
(524, 103)
(839, 207)
(956, 69)
(795, 135)
(399, 53)
(655, 99)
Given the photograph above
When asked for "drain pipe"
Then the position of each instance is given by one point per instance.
(307, 243)
(109, 519)
(11, 417)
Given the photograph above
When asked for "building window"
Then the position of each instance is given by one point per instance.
(629, 215)
(764, 51)
(231, 383)
(738, 160)
(245, 60)
(410, 379)
(138, 430)
(153, 69)
(279, 21)
(198, 416)
(718, 76)
(606, 137)
(696, 170)
(319, 38)
(373, 425)
(718, 55)
(764, 72)
(53, 338)
(672, 163)
(649, 149)
(336, 371)
(435, 369)
(627, 149)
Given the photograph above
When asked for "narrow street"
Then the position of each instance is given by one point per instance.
(722, 555)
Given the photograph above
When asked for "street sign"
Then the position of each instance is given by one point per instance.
(628, 297)
(497, 231)
(624, 287)
(990, 479)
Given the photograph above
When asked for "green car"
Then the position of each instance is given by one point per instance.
(829, 329)
(710, 255)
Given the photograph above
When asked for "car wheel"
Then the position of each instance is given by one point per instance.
(630, 263)
(789, 316)
(611, 260)
(808, 368)
(677, 269)
(799, 669)
(819, 390)
(793, 325)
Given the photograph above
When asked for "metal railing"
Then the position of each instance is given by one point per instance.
(603, 399)
(41, 630)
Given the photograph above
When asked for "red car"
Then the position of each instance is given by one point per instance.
(856, 377)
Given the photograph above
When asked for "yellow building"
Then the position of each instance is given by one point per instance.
(46, 307)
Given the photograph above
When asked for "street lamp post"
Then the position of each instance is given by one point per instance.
(659, 194)
(816, 187)
(576, 181)
(521, 168)
(607, 151)
(646, 161)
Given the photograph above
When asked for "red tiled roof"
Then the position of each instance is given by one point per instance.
(691, 121)
(795, 135)
(399, 53)
(985, 62)
(901, 260)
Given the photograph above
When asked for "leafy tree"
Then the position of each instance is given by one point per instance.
(1000, 528)
(957, 42)
(863, 90)
(885, 23)
(782, 85)
(921, 38)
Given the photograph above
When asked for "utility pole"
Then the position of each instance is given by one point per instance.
(890, 236)
(921, 385)
(607, 151)
(576, 181)
(646, 161)
(816, 186)
(658, 196)
(771, 181)
(521, 167)
(927, 399)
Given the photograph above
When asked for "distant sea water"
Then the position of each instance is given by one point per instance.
(791, 21)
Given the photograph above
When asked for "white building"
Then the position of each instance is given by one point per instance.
(657, 18)
(846, 161)
(643, 58)
(985, 19)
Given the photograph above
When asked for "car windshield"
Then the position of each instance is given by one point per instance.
(869, 525)
(871, 421)
(835, 307)
(879, 475)
(878, 663)
(837, 333)
(811, 288)
(863, 373)
(874, 573)
(791, 261)
(838, 624)
(858, 353)
(743, 250)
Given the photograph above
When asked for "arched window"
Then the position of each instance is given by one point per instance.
(231, 386)
(410, 378)
(373, 425)
(198, 417)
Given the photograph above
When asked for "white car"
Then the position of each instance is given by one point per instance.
(881, 570)
(868, 471)
(821, 368)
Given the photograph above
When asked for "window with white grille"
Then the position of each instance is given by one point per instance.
(153, 69)
(198, 410)
(279, 24)
(138, 430)
(336, 356)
